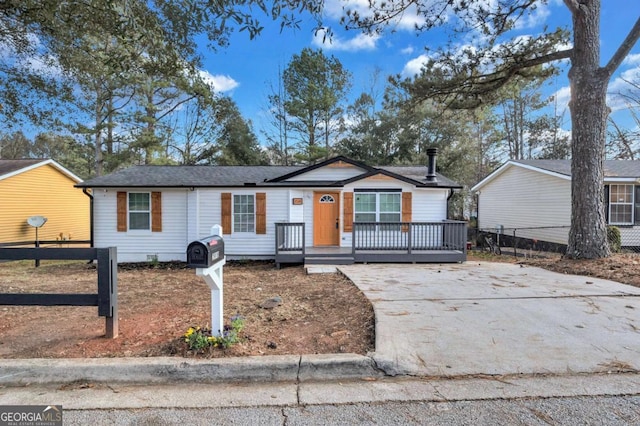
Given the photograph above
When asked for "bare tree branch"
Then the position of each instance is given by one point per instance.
(623, 50)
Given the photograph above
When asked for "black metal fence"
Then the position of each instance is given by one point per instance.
(106, 299)
(521, 241)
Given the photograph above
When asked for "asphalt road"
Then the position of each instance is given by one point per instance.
(602, 410)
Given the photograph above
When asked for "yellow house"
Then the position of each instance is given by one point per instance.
(41, 188)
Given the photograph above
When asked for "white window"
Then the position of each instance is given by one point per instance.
(139, 211)
(244, 213)
(377, 207)
(327, 199)
(621, 204)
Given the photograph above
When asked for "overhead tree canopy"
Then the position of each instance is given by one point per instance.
(470, 76)
(315, 86)
(87, 67)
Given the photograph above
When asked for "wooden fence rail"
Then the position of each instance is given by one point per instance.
(106, 299)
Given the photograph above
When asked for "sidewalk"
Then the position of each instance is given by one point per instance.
(448, 332)
(87, 396)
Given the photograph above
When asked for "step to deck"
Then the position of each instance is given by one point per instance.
(328, 260)
(321, 269)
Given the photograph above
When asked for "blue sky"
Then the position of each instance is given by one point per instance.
(247, 69)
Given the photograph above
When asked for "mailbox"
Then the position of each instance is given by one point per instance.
(205, 252)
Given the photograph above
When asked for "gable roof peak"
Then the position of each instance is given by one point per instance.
(9, 168)
(333, 160)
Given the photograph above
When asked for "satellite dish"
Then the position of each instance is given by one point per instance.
(37, 221)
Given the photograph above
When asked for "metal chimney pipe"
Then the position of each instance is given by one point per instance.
(431, 169)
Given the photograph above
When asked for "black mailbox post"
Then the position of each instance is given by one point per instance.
(205, 252)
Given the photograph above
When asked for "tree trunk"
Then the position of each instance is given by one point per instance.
(588, 235)
(99, 160)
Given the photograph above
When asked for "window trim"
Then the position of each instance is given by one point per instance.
(148, 212)
(233, 213)
(610, 203)
(377, 212)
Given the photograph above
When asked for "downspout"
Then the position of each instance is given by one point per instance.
(478, 210)
(84, 190)
(451, 192)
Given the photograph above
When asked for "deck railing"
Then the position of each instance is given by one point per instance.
(409, 236)
(384, 241)
(289, 242)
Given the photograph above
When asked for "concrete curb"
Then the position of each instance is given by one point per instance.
(285, 368)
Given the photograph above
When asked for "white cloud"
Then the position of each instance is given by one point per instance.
(335, 9)
(620, 83)
(359, 42)
(407, 50)
(535, 18)
(414, 66)
(620, 86)
(33, 59)
(562, 97)
(465, 53)
(632, 59)
(220, 83)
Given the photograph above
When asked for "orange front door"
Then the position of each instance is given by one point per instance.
(326, 216)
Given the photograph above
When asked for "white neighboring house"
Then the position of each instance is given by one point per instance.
(534, 198)
(154, 212)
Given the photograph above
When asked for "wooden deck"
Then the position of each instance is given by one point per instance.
(438, 242)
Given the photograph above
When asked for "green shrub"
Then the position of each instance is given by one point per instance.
(614, 239)
(199, 338)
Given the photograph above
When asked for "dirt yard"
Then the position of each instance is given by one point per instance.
(622, 267)
(319, 313)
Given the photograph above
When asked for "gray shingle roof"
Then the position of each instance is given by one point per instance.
(188, 176)
(9, 166)
(612, 168)
(227, 176)
(419, 173)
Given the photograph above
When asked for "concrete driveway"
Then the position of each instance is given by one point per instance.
(497, 318)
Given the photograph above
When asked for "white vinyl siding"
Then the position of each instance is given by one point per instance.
(522, 198)
(329, 173)
(296, 211)
(429, 205)
(630, 236)
(170, 244)
(188, 215)
(239, 245)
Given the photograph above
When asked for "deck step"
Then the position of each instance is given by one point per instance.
(328, 260)
(328, 255)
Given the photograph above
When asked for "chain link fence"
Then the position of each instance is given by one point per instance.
(520, 242)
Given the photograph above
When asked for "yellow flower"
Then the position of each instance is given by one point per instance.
(189, 332)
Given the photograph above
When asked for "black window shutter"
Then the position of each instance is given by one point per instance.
(636, 206)
(606, 203)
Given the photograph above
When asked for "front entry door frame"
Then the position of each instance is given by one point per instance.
(326, 218)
